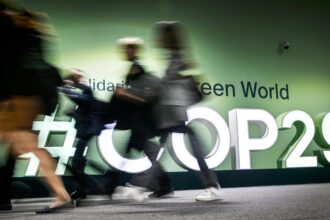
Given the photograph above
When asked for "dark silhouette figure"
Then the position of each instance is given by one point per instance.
(177, 95)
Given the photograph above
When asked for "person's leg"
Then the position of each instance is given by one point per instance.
(208, 177)
(212, 187)
(111, 177)
(135, 188)
(157, 175)
(26, 141)
(78, 160)
(139, 141)
(77, 168)
(47, 167)
(153, 178)
(136, 141)
(6, 173)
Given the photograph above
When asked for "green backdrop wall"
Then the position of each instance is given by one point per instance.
(234, 43)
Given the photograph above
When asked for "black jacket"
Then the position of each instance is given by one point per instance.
(89, 114)
(130, 115)
(23, 69)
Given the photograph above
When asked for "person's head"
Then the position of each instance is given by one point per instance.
(130, 46)
(25, 19)
(170, 35)
(9, 10)
(36, 21)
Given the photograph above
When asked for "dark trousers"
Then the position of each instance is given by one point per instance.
(85, 183)
(208, 178)
(154, 178)
(78, 160)
(79, 163)
(6, 173)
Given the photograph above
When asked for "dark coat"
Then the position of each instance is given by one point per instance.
(23, 68)
(171, 109)
(89, 114)
(131, 115)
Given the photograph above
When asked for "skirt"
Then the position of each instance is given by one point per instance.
(18, 113)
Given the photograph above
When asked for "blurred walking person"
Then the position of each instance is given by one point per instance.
(131, 107)
(26, 92)
(89, 122)
(178, 93)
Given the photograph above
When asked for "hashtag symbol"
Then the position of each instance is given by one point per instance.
(45, 127)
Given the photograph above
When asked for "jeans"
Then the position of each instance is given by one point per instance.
(208, 178)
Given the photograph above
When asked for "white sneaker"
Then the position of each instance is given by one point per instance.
(130, 193)
(210, 194)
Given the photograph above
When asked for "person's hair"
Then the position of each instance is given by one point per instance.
(174, 33)
(39, 22)
(8, 5)
(133, 42)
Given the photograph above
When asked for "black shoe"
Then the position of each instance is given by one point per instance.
(109, 191)
(162, 193)
(55, 209)
(78, 195)
(5, 207)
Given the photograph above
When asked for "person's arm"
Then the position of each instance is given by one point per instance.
(146, 92)
(76, 97)
(124, 94)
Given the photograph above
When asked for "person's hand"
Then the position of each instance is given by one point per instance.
(69, 83)
(120, 91)
(123, 94)
(64, 90)
(110, 125)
